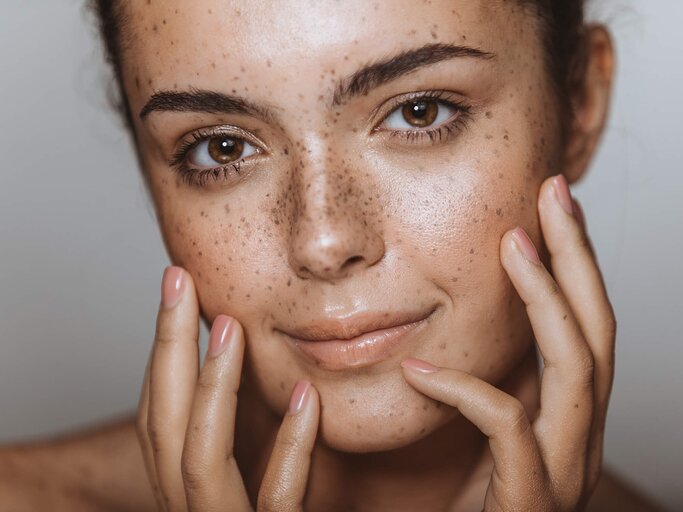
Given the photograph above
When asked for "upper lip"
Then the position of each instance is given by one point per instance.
(328, 329)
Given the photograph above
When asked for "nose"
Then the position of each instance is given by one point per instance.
(331, 236)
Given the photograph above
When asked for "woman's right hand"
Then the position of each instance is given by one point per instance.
(186, 416)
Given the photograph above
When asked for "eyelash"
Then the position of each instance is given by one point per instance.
(200, 177)
(443, 131)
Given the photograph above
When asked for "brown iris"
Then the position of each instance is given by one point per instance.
(225, 149)
(420, 113)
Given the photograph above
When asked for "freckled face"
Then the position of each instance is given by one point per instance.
(321, 208)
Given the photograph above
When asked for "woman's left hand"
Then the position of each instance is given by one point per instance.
(552, 463)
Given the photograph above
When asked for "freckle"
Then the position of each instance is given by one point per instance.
(576, 406)
(282, 385)
(423, 431)
(471, 251)
(564, 317)
(466, 354)
(352, 401)
(289, 281)
(499, 212)
(442, 346)
(424, 407)
(489, 115)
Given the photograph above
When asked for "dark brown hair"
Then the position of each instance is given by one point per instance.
(562, 22)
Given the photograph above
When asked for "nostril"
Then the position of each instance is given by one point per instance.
(353, 260)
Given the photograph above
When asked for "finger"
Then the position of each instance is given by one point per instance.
(499, 416)
(173, 376)
(563, 424)
(576, 270)
(283, 488)
(210, 474)
(143, 439)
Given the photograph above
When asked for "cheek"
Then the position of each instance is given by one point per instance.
(221, 243)
(451, 227)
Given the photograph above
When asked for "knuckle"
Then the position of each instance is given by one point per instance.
(514, 417)
(194, 473)
(585, 368)
(288, 444)
(553, 289)
(207, 385)
(611, 327)
(154, 436)
(164, 336)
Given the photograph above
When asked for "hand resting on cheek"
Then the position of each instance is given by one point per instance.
(550, 463)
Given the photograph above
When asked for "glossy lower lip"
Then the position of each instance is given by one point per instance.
(363, 350)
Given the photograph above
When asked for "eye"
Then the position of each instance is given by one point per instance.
(419, 114)
(218, 151)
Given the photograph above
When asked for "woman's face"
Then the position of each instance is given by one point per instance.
(312, 190)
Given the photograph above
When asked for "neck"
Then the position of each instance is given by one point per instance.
(451, 467)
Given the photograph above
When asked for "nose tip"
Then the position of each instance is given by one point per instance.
(337, 254)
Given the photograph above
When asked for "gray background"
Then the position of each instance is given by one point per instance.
(82, 259)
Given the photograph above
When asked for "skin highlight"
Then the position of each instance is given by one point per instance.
(332, 216)
(425, 221)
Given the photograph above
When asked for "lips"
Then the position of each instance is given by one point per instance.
(360, 340)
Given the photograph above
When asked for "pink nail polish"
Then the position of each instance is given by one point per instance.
(419, 365)
(562, 193)
(525, 245)
(171, 286)
(220, 335)
(299, 394)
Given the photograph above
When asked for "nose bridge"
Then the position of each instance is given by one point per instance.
(331, 235)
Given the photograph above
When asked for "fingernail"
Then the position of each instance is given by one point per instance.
(219, 337)
(578, 213)
(562, 193)
(419, 365)
(171, 286)
(299, 394)
(525, 245)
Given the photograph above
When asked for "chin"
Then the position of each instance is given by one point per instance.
(384, 417)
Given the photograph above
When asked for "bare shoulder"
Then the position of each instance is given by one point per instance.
(615, 495)
(96, 468)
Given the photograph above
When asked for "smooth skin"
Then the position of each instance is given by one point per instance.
(186, 418)
(365, 442)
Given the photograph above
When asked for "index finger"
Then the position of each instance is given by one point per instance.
(284, 485)
(576, 271)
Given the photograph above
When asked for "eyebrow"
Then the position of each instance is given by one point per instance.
(359, 83)
(379, 73)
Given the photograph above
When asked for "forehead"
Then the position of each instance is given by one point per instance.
(173, 43)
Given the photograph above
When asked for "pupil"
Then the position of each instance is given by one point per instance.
(225, 149)
(420, 113)
(227, 146)
(420, 109)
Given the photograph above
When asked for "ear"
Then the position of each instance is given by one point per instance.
(589, 100)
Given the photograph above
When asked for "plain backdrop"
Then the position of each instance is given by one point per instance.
(81, 258)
